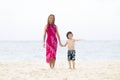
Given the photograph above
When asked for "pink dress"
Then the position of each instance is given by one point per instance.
(51, 43)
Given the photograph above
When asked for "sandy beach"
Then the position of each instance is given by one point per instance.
(85, 70)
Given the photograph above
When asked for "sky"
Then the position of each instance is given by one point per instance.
(87, 19)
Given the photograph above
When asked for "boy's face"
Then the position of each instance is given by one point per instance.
(70, 36)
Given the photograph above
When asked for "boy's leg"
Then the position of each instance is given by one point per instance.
(69, 64)
(73, 64)
(73, 59)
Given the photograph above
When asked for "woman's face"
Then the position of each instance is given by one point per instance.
(51, 19)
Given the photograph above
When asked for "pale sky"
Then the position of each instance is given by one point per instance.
(87, 19)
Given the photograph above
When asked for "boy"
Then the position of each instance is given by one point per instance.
(71, 49)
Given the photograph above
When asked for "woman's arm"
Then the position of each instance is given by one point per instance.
(58, 37)
(65, 44)
(44, 36)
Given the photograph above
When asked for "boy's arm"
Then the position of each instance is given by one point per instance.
(78, 39)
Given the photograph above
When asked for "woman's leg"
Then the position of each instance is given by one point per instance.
(50, 63)
(53, 62)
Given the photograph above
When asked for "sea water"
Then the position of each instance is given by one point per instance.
(85, 50)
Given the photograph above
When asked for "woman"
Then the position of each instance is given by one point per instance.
(51, 42)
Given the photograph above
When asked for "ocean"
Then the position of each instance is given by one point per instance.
(85, 50)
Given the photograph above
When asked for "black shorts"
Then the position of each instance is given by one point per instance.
(71, 55)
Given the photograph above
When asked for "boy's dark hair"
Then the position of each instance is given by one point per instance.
(68, 34)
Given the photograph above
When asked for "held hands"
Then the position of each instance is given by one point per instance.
(44, 45)
(62, 45)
